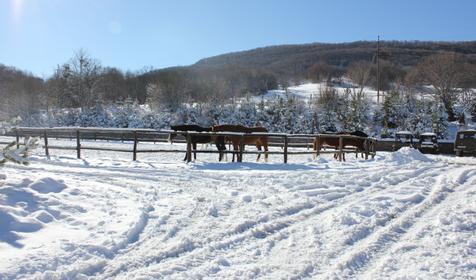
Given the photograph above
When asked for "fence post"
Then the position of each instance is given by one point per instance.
(286, 148)
(341, 144)
(134, 151)
(78, 145)
(189, 148)
(47, 152)
(242, 147)
(17, 135)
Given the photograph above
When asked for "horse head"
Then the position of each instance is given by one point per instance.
(172, 135)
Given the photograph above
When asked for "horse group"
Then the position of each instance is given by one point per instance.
(238, 142)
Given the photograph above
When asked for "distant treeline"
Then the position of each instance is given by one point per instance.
(82, 82)
(289, 61)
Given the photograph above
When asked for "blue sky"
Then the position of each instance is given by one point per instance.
(37, 35)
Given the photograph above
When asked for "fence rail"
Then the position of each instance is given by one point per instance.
(285, 141)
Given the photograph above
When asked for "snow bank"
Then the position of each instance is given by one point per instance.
(406, 155)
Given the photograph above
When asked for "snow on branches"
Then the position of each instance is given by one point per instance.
(18, 155)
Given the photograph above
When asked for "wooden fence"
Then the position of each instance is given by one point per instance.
(285, 141)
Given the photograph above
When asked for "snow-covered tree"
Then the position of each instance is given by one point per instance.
(329, 104)
(356, 114)
(439, 119)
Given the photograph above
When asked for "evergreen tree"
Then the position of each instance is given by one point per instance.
(439, 119)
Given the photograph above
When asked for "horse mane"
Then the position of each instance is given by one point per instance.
(353, 133)
(359, 133)
(257, 129)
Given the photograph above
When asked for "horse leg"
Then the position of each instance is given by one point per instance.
(236, 148)
(194, 144)
(259, 150)
(314, 149)
(264, 142)
(265, 152)
(233, 153)
(221, 146)
(220, 155)
(223, 150)
(316, 146)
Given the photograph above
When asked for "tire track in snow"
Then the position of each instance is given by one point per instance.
(425, 226)
(259, 229)
(263, 227)
(358, 198)
(355, 261)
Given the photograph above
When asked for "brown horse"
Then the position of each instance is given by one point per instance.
(238, 141)
(331, 140)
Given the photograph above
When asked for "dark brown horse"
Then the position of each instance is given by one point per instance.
(238, 141)
(333, 141)
(202, 139)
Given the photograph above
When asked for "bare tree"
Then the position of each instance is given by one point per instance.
(322, 71)
(165, 96)
(113, 85)
(85, 78)
(77, 83)
(445, 72)
(359, 73)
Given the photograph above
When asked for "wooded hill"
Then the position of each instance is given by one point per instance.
(295, 60)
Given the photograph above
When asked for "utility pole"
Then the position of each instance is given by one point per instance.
(378, 69)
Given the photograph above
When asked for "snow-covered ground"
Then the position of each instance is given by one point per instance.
(306, 91)
(402, 215)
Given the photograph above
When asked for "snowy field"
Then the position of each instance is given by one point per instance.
(402, 215)
(307, 90)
